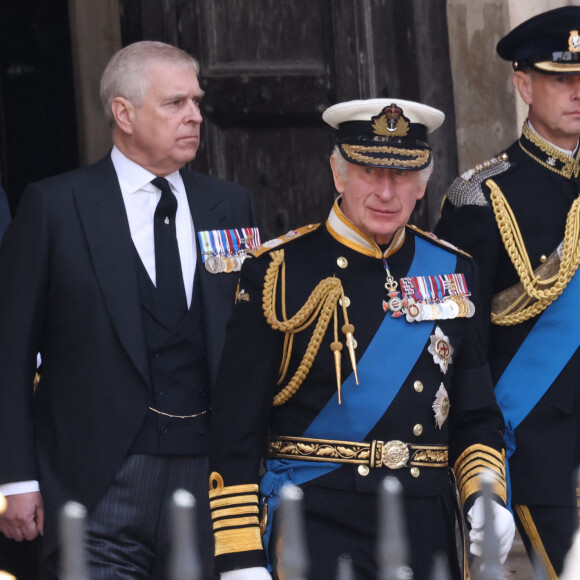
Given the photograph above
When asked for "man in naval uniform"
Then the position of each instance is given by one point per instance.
(353, 353)
(518, 215)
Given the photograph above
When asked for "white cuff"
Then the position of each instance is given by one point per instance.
(257, 573)
(19, 487)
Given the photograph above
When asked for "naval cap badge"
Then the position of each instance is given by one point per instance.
(574, 41)
(390, 122)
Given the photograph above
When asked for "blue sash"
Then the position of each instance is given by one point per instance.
(379, 382)
(539, 361)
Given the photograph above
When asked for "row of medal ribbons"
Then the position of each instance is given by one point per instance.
(436, 297)
(225, 250)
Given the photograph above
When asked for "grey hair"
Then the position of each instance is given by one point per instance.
(126, 73)
(341, 166)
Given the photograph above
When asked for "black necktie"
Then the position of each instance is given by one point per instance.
(169, 277)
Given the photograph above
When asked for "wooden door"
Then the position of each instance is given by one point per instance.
(269, 69)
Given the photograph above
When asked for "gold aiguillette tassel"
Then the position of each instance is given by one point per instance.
(348, 330)
(336, 347)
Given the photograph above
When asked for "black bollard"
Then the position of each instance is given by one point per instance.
(490, 568)
(345, 569)
(440, 570)
(4, 575)
(184, 561)
(293, 553)
(72, 523)
(392, 547)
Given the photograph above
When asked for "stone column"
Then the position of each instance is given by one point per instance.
(95, 36)
(488, 113)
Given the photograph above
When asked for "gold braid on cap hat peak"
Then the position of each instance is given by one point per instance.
(357, 152)
(322, 304)
(539, 293)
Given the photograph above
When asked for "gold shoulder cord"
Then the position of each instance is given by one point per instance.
(539, 293)
(321, 304)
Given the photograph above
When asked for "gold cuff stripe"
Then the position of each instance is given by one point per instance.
(478, 458)
(473, 485)
(240, 540)
(474, 449)
(233, 500)
(236, 511)
(234, 489)
(238, 522)
(497, 481)
(525, 517)
(463, 470)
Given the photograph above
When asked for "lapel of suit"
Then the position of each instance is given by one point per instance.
(208, 208)
(102, 212)
(211, 211)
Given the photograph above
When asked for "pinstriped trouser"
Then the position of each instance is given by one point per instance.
(127, 530)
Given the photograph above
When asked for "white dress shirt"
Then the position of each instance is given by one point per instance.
(140, 197)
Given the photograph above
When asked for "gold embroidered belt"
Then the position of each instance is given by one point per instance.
(392, 454)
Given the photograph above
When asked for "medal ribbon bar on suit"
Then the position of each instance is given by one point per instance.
(225, 250)
(362, 406)
(539, 361)
(436, 297)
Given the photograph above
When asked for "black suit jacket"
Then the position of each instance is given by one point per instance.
(68, 289)
(4, 213)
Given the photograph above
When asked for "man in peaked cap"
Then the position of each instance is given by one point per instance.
(518, 215)
(353, 353)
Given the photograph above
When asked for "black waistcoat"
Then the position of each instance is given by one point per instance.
(179, 377)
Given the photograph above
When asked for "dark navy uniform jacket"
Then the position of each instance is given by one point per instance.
(538, 182)
(243, 415)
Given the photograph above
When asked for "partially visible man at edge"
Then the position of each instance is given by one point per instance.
(519, 216)
(4, 211)
(367, 299)
(101, 274)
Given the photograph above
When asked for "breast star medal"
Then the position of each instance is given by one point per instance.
(441, 406)
(441, 350)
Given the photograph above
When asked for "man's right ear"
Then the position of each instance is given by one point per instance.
(338, 179)
(124, 114)
(523, 84)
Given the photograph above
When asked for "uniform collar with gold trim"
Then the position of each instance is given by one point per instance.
(345, 232)
(548, 155)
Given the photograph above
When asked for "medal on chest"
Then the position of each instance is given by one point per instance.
(440, 349)
(394, 303)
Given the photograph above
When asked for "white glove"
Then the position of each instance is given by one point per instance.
(504, 525)
(246, 574)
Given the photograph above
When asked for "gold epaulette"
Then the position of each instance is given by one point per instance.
(284, 239)
(475, 461)
(430, 237)
(235, 516)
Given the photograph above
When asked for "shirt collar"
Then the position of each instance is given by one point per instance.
(132, 177)
(345, 232)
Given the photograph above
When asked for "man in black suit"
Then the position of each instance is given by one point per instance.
(128, 322)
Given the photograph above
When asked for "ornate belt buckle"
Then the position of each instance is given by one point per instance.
(395, 454)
